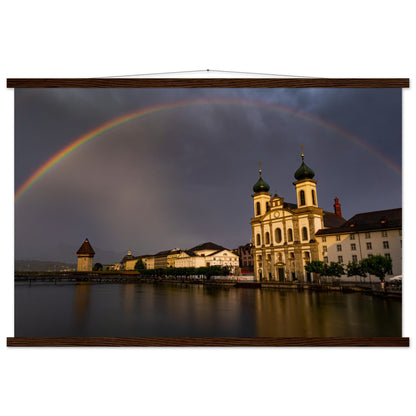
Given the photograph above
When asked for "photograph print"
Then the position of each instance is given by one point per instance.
(208, 212)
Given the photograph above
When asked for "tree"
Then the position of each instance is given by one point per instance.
(355, 269)
(378, 266)
(335, 269)
(139, 265)
(97, 267)
(318, 267)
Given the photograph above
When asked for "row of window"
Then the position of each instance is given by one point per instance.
(258, 208)
(367, 235)
(279, 256)
(354, 247)
(278, 236)
(354, 258)
(302, 200)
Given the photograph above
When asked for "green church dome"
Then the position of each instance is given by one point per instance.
(260, 185)
(304, 172)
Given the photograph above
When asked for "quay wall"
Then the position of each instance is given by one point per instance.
(134, 276)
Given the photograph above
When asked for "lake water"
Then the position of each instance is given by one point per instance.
(164, 310)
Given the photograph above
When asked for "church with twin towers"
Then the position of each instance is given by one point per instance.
(287, 236)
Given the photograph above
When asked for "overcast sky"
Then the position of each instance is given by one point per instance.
(184, 175)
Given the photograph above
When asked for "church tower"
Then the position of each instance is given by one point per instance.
(305, 186)
(261, 197)
(85, 256)
(261, 202)
(284, 233)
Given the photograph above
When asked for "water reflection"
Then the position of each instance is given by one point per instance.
(315, 314)
(129, 300)
(81, 303)
(129, 310)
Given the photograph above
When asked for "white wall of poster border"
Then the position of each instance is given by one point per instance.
(340, 41)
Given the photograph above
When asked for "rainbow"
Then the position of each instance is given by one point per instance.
(49, 164)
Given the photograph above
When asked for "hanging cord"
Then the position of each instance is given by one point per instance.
(261, 73)
(210, 71)
(153, 73)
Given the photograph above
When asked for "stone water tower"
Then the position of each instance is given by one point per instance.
(85, 256)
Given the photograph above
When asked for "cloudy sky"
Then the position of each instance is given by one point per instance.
(183, 175)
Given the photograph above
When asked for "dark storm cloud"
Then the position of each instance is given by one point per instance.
(184, 176)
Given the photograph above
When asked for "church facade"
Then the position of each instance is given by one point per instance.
(283, 233)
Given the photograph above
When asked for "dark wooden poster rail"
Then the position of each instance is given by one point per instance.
(208, 83)
(208, 342)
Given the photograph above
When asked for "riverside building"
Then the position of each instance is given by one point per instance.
(202, 255)
(365, 235)
(287, 236)
(207, 254)
(246, 257)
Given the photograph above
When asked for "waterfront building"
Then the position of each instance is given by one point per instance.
(187, 258)
(149, 261)
(207, 254)
(128, 261)
(172, 256)
(284, 233)
(165, 259)
(85, 256)
(362, 236)
(287, 236)
(245, 255)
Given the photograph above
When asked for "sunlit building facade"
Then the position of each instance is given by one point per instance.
(364, 235)
(207, 254)
(287, 236)
(283, 233)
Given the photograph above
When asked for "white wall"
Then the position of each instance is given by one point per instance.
(319, 38)
(376, 239)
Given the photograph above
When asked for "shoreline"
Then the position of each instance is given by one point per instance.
(134, 277)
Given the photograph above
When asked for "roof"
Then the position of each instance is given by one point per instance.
(219, 251)
(86, 248)
(304, 171)
(332, 220)
(208, 246)
(128, 257)
(190, 253)
(162, 253)
(167, 252)
(289, 205)
(261, 186)
(247, 246)
(368, 221)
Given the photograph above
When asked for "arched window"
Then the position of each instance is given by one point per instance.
(290, 234)
(258, 212)
(258, 239)
(267, 206)
(313, 197)
(278, 235)
(267, 238)
(304, 233)
(302, 197)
